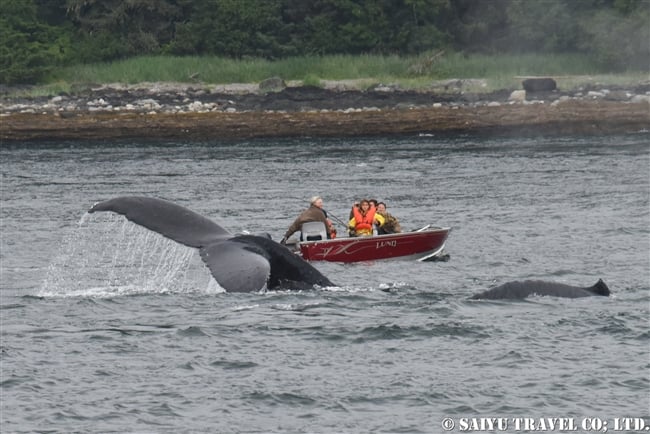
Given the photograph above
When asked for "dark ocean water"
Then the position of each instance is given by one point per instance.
(108, 327)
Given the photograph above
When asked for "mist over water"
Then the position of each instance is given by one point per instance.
(106, 326)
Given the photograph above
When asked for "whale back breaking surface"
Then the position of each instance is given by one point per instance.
(248, 263)
(523, 289)
(242, 263)
(288, 270)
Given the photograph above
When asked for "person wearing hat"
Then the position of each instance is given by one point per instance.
(315, 213)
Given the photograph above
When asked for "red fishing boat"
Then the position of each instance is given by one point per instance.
(424, 244)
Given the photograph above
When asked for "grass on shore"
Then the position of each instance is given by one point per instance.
(416, 72)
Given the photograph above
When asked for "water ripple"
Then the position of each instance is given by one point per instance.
(106, 327)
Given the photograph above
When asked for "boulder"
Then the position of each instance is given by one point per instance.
(638, 99)
(517, 95)
(273, 84)
(543, 84)
(618, 95)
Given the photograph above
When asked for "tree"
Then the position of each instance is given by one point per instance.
(233, 28)
(38, 35)
(619, 37)
(425, 24)
(110, 29)
(478, 25)
(540, 26)
(29, 48)
(363, 26)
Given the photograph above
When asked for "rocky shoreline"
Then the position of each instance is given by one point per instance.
(200, 112)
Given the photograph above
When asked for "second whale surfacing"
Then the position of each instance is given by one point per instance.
(523, 289)
(239, 263)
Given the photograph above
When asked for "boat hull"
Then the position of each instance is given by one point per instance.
(420, 245)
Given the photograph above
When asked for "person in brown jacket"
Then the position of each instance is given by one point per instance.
(314, 213)
(391, 224)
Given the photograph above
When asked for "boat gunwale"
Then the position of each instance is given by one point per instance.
(374, 237)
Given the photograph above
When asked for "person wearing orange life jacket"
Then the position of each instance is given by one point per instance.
(364, 217)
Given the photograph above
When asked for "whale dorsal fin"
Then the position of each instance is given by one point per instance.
(600, 288)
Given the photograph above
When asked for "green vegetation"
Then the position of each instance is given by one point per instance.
(412, 72)
(218, 41)
(415, 72)
(212, 69)
(311, 80)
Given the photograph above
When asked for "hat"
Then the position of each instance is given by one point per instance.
(314, 199)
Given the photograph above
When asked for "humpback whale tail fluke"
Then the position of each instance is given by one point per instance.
(168, 219)
(239, 263)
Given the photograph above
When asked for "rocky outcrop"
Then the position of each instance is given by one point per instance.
(273, 84)
(162, 110)
(539, 84)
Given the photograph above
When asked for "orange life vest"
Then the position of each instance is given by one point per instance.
(364, 221)
(331, 229)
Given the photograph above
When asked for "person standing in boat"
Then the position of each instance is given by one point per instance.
(315, 213)
(391, 224)
(364, 217)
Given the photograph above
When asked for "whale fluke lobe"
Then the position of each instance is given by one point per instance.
(519, 290)
(241, 263)
(168, 219)
(239, 269)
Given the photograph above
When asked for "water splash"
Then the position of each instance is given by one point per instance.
(106, 256)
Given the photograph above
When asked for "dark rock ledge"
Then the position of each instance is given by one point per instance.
(173, 111)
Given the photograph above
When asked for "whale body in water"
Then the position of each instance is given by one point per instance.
(239, 263)
(523, 289)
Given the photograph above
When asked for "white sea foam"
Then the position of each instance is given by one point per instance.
(108, 256)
